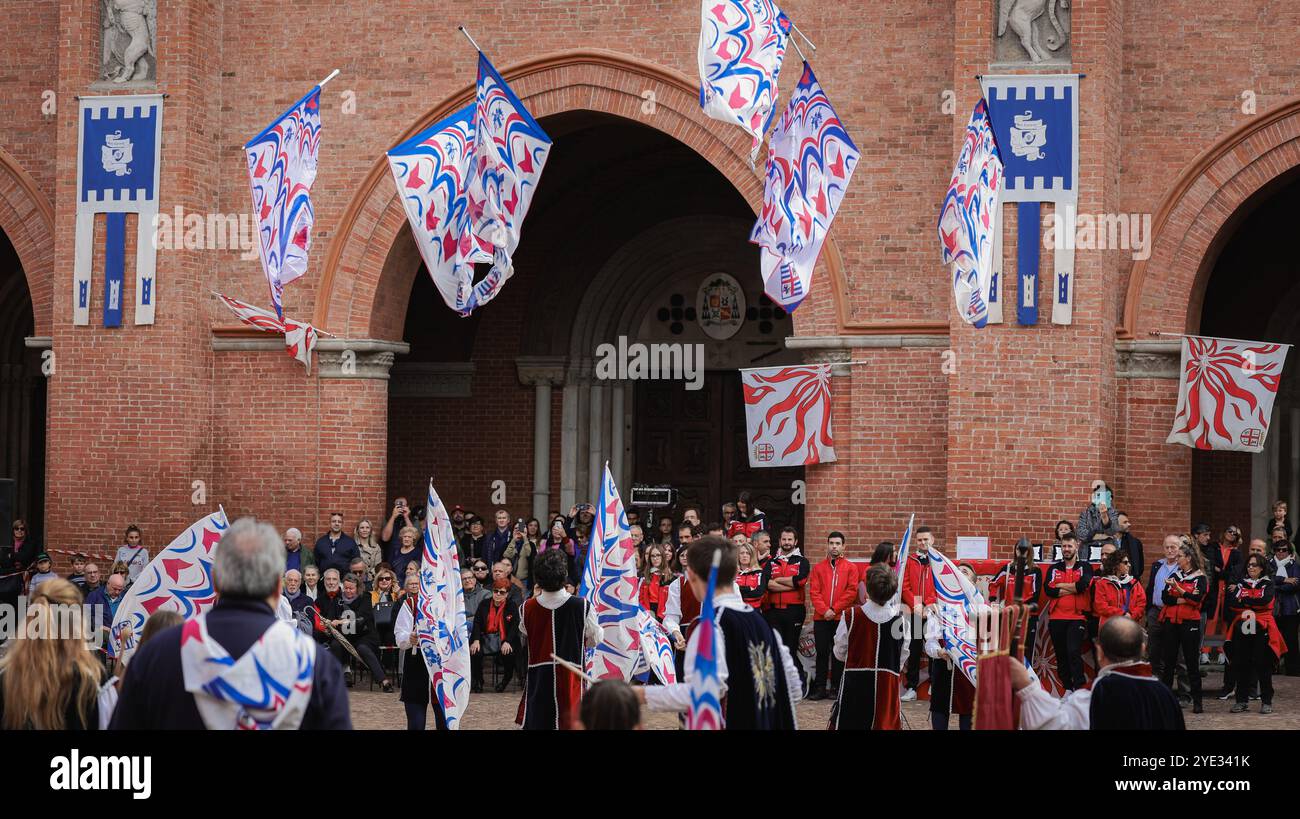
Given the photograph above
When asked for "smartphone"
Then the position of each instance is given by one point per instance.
(1102, 496)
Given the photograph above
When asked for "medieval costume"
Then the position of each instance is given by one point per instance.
(1123, 697)
(416, 691)
(873, 643)
(555, 622)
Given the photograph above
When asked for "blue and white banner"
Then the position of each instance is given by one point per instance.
(118, 162)
(1036, 121)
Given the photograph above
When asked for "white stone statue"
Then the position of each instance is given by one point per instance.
(130, 38)
(1020, 16)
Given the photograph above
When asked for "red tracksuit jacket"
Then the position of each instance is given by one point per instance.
(833, 586)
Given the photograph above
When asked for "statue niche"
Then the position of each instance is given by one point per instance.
(130, 41)
(1032, 31)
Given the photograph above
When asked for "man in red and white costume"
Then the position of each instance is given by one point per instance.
(559, 623)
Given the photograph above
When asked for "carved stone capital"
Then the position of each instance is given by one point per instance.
(1147, 359)
(540, 369)
(357, 357)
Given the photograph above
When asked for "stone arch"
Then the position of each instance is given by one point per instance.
(362, 262)
(27, 219)
(1197, 217)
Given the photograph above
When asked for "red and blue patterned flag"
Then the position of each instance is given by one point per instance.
(810, 161)
(968, 218)
(299, 337)
(956, 601)
(742, 45)
(441, 626)
(609, 581)
(178, 579)
(705, 713)
(281, 169)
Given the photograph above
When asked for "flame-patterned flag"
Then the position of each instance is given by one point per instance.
(788, 415)
(299, 337)
(810, 161)
(957, 599)
(178, 579)
(742, 45)
(441, 626)
(705, 712)
(968, 217)
(281, 169)
(609, 581)
(510, 150)
(1225, 393)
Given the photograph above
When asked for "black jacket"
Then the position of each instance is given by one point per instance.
(512, 621)
(363, 620)
(1133, 546)
(153, 692)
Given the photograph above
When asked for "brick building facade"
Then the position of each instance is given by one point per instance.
(1189, 113)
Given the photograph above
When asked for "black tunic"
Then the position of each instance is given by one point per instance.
(1128, 698)
(757, 695)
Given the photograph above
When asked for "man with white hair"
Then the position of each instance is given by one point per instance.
(296, 557)
(222, 669)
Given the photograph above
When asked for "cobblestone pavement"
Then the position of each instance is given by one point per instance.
(376, 710)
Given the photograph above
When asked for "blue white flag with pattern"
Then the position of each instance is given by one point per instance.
(440, 623)
(742, 46)
(967, 218)
(609, 581)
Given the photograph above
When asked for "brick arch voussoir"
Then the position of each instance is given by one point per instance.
(27, 219)
(1165, 291)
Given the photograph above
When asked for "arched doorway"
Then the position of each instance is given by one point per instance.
(22, 399)
(1253, 292)
(626, 226)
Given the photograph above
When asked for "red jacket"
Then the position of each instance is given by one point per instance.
(1183, 598)
(654, 594)
(1068, 606)
(917, 577)
(793, 566)
(1110, 598)
(833, 586)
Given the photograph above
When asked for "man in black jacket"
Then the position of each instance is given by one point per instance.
(335, 549)
(356, 624)
(1131, 545)
(246, 573)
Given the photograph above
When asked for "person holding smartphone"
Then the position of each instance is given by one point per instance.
(398, 519)
(1098, 520)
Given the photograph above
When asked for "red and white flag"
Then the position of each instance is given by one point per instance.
(1225, 393)
(299, 337)
(788, 415)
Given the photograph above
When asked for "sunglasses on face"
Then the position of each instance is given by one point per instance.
(501, 592)
(480, 568)
(20, 528)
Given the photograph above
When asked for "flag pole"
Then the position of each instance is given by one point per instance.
(583, 674)
(804, 36)
(1219, 338)
(463, 30)
(795, 43)
(332, 75)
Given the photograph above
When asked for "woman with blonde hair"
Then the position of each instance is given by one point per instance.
(51, 684)
(368, 547)
(408, 551)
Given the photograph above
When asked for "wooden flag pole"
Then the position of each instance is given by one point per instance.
(1219, 338)
(575, 669)
(464, 31)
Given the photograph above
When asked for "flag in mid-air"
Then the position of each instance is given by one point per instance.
(742, 45)
(178, 579)
(810, 161)
(281, 169)
(956, 599)
(510, 150)
(656, 650)
(788, 415)
(609, 581)
(968, 217)
(299, 337)
(1225, 393)
(903, 549)
(705, 712)
(441, 626)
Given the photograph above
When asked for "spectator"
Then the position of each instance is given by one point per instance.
(159, 689)
(520, 553)
(408, 552)
(473, 545)
(885, 554)
(1124, 696)
(293, 593)
(691, 515)
(556, 539)
(500, 538)
(656, 578)
(1286, 605)
(311, 582)
(686, 534)
(554, 622)
(609, 705)
(638, 538)
(788, 573)
(1130, 545)
(1255, 639)
(762, 541)
(475, 594)
(1183, 594)
(664, 535)
(120, 567)
(334, 549)
(1003, 589)
(1280, 518)
(1066, 584)
(632, 515)
(872, 641)
(459, 522)
(1097, 521)
(296, 557)
(748, 519)
(728, 514)
(1278, 533)
(133, 553)
(482, 574)
(89, 579)
(832, 586)
(916, 581)
(369, 549)
(384, 600)
(358, 567)
(533, 531)
(751, 578)
(43, 571)
(358, 628)
(415, 695)
(398, 519)
(77, 576)
(1161, 571)
(50, 684)
(716, 528)
(495, 634)
(1117, 593)
(501, 570)
(108, 597)
(759, 681)
(1229, 568)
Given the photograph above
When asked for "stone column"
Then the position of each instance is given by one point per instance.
(541, 373)
(616, 395)
(595, 449)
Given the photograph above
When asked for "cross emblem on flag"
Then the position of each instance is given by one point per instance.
(1252, 437)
